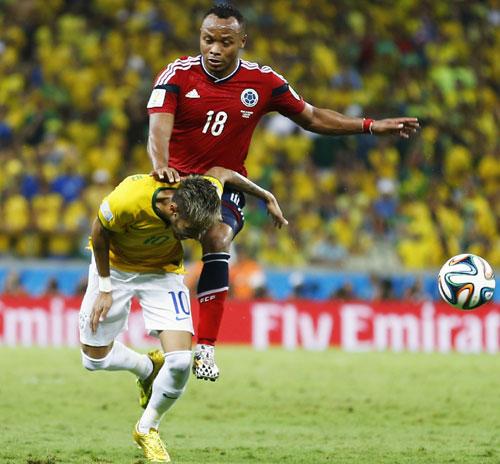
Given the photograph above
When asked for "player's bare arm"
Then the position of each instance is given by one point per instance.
(100, 247)
(160, 131)
(329, 122)
(239, 182)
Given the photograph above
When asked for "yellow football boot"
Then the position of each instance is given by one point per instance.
(151, 444)
(146, 385)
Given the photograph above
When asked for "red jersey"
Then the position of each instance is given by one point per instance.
(215, 118)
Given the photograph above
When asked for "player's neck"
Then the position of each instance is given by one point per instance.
(222, 74)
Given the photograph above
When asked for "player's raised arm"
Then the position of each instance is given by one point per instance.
(329, 122)
(160, 131)
(239, 182)
(100, 248)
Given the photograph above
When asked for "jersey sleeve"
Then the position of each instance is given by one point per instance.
(114, 212)
(163, 98)
(284, 99)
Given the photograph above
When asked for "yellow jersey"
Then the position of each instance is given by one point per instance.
(140, 241)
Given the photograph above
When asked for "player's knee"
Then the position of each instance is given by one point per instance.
(217, 239)
(94, 364)
(179, 366)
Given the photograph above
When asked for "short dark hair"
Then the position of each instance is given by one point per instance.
(226, 10)
(198, 202)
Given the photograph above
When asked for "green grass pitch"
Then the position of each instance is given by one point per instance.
(267, 407)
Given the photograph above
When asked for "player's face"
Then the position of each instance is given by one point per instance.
(220, 41)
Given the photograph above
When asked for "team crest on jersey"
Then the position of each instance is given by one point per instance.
(249, 97)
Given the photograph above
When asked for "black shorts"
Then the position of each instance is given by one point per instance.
(232, 204)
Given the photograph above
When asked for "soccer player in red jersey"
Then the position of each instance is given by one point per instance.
(203, 111)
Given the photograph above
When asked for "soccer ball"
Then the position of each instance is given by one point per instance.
(466, 281)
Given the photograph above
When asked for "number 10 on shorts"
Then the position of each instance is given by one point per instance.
(181, 303)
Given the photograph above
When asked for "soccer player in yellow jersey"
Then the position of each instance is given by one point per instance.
(137, 251)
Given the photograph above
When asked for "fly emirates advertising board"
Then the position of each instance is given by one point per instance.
(292, 324)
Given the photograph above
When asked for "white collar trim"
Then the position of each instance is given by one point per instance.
(220, 79)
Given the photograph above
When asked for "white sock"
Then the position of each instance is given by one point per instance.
(167, 388)
(121, 358)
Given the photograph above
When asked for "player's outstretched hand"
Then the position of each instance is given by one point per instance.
(274, 210)
(404, 127)
(100, 310)
(169, 175)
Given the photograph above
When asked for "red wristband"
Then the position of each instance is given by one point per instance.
(367, 125)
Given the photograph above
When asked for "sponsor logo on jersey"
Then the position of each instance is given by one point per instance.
(157, 98)
(249, 97)
(193, 94)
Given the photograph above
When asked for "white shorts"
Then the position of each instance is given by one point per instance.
(164, 300)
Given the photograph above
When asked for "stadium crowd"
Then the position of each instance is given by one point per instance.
(75, 77)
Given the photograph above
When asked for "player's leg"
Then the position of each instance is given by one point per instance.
(167, 314)
(100, 350)
(116, 357)
(171, 380)
(214, 282)
(168, 387)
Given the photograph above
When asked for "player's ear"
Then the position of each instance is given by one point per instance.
(243, 40)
